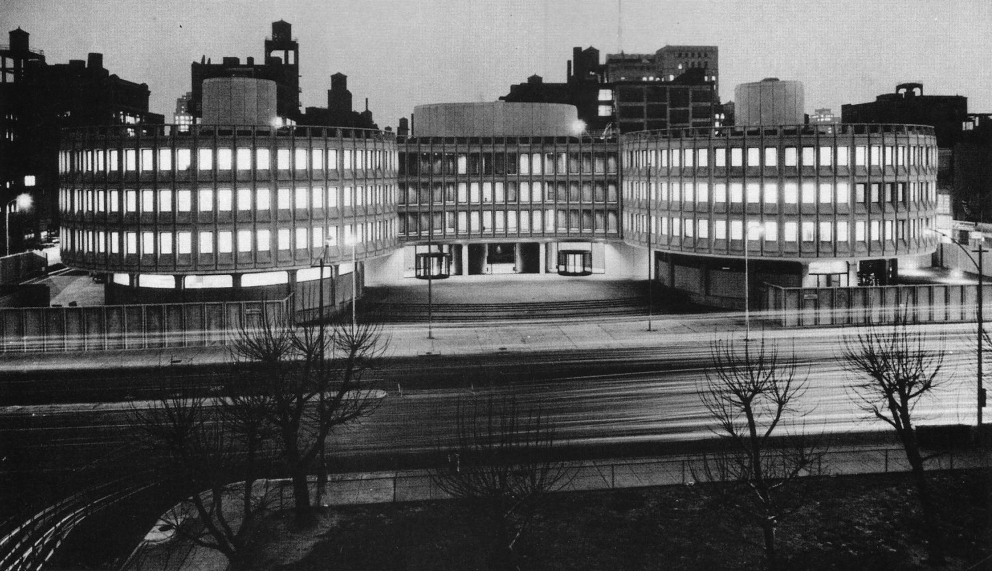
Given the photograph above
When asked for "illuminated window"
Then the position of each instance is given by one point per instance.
(165, 201)
(264, 239)
(604, 110)
(282, 159)
(147, 243)
(225, 199)
(262, 159)
(808, 193)
(317, 159)
(147, 160)
(284, 199)
(720, 229)
(753, 157)
(790, 231)
(859, 231)
(719, 192)
(206, 242)
(115, 242)
(825, 231)
(771, 231)
(130, 201)
(115, 201)
(301, 198)
(205, 159)
(164, 244)
(184, 242)
(332, 197)
(826, 193)
(771, 193)
(317, 197)
(348, 159)
(244, 240)
(702, 159)
(605, 95)
(702, 193)
(843, 156)
(317, 237)
(809, 231)
(130, 160)
(876, 156)
(753, 192)
(842, 232)
(860, 156)
(771, 156)
(244, 199)
(244, 159)
(720, 157)
(843, 193)
(183, 159)
(225, 242)
(809, 157)
(301, 238)
(165, 159)
(791, 156)
(332, 159)
(206, 200)
(224, 159)
(184, 200)
(300, 159)
(826, 156)
(703, 229)
(131, 243)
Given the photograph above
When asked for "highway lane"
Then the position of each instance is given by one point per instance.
(652, 398)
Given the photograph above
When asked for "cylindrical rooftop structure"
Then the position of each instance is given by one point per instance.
(769, 102)
(239, 101)
(497, 119)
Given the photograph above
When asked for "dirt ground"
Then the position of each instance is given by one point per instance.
(845, 523)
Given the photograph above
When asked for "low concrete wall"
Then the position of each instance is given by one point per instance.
(17, 267)
(103, 328)
(930, 303)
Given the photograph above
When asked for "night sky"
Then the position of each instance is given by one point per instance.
(404, 53)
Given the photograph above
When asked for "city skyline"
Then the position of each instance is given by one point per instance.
(843, 52)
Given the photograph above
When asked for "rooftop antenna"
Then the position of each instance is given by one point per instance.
(620, 26)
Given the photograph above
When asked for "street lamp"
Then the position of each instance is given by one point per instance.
(747, 282)
(981, 325)
(22, 203)
(351, 239)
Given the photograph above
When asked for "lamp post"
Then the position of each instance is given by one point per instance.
(980, 393)
(747, 281)
(21, 203)
(353, 239)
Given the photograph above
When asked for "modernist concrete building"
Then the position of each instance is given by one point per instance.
(247, 211)
(227, 211)
(838, 205)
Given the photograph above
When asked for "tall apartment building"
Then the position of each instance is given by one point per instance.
(37, 101)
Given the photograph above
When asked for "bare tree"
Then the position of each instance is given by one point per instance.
(201, 450)
(750, 391)
(314, 380)
(504, 461)
(896, 367)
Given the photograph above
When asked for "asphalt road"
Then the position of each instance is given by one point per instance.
(604, 397)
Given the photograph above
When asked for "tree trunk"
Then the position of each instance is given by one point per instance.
(934, 528)
(768, 529)
(301, 497)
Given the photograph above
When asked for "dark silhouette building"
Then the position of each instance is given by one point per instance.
(37, 101)
(908, 105)
(632, 92)
(339, 111)
(281, 65)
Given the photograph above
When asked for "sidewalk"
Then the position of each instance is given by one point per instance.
(608, 474)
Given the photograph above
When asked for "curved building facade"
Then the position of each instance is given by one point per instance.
(225, 212)
(833, 205)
